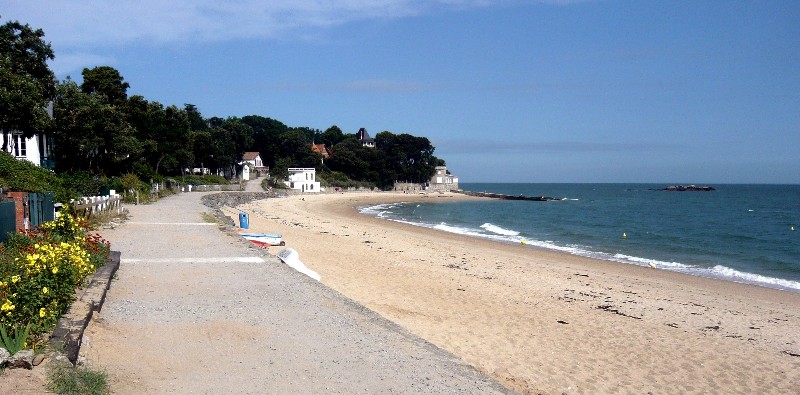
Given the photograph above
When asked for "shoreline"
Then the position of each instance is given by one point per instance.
(775, 283)
(540, 320)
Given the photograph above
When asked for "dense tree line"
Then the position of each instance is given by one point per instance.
(100, 130)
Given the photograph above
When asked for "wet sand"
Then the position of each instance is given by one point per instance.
(541, 321)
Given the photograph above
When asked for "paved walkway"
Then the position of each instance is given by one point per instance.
(254, 185)
(195, 309)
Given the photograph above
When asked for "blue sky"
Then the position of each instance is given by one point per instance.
(507, 91)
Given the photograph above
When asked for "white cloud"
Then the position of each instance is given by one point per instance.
(96, 23)
(64, 65)
(84, 29)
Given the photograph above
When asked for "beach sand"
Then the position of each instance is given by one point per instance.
(541, 321)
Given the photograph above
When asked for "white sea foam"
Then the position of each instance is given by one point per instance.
(496, 229)
(455, 229)
(378, 209)
(727, 273)
(510, 236)
(648, 262)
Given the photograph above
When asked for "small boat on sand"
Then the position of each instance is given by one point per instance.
(264, 239)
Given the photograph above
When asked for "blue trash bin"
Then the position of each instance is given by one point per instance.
(244, 220)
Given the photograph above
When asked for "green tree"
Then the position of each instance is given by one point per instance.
(26, 82)
(360, 163)
(266, 136)
(223, 151)
(106, 82)
(296, 146)
(313, 135)
(409, 157)
(196, 121)
(332, 136)
(91, 134)
(242, 135)
(202, 148)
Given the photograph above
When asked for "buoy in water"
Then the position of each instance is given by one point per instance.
(791, 228)
(624, 235)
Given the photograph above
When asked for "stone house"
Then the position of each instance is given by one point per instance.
(442, 180)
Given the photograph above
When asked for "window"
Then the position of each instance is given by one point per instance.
(20, 146)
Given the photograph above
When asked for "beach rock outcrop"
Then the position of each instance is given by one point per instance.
(691, 188)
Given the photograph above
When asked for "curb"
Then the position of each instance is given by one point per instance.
(67, 336)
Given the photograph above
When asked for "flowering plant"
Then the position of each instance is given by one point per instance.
(40, 270)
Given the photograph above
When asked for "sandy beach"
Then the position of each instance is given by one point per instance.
(541, 321)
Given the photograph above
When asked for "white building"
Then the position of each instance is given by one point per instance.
(443, 181)
(303, 179)
(37, 149)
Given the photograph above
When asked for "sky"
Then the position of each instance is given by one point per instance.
(671, 92)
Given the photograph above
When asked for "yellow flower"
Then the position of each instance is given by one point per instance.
(42, 312)
(44, 290)
(14, 279)
(55, 270)
(7, 306)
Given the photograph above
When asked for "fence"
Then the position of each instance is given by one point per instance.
(88, 206)
(8, 221)
(42, 208)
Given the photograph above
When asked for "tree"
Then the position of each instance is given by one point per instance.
(202, 147)
(196, 121)
(360, 163)
(26, 82)
(91, 134)
(295, 145)
(105, 81)
(313, 135)
(266, 135)
(332, 136)
(411, 158)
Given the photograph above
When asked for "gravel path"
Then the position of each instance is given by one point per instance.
(195, 309)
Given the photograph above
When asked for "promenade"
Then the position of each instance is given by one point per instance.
(195, 309)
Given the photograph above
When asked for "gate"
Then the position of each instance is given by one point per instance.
(8, 219)
(41, 208)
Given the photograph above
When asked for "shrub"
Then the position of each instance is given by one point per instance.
(84, 183)
(21, 175)
(207, 179)
(40, 270)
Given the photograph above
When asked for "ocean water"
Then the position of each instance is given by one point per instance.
(740, 233)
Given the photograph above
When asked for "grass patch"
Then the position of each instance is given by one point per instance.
(104, 217)
(68, 379)
(208, 218)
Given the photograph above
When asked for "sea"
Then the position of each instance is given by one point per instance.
(742, 233)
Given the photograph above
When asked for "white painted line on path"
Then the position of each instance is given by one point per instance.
(233, 259)
(172, 223)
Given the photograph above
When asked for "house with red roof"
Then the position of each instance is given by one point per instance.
(251, 162)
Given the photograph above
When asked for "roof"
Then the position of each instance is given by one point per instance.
(320, 149)
(250, 155)
(363, 135)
